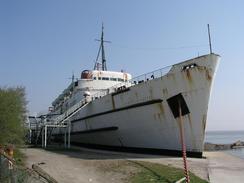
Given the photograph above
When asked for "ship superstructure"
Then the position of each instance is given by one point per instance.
(90, 83)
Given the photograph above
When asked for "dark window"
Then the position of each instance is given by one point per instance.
(113, 79)
(186, 67)
(99, 78)
(95, 78)
(103, 78)
(141, 81)
(119, 79)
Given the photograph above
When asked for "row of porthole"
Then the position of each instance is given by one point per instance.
(108, 79)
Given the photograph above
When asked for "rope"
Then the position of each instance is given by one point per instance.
(183, 145)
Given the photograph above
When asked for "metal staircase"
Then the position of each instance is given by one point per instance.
(58, 122)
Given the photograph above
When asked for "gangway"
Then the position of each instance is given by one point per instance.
(61, 121)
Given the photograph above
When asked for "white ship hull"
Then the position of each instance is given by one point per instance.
(140, 117)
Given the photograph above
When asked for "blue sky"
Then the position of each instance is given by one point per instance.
(43, 41)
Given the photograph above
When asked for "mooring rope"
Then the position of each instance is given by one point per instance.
(183, 145)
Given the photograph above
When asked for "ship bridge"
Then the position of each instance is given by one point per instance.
(98, 79)
(90, 83)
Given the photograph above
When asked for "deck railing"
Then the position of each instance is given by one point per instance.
(134, 81)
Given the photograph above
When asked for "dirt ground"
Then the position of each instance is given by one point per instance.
(86, 165)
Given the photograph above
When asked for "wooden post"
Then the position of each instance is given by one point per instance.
(183, 145)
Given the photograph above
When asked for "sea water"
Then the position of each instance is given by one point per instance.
(226, 137)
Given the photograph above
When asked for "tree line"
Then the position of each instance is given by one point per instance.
(12, 115)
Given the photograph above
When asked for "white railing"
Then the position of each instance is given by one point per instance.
(69, 112)
(134, 81)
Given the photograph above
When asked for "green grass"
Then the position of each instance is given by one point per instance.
(157, 173)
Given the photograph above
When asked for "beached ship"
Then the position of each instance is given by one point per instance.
(112, 110)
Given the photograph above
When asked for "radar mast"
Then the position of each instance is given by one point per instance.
(102, 51)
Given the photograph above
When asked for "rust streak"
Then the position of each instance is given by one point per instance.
(189, 119)
(161, 107)
(151, 93)
(204, 119)
(165, 91)
(159, 116)
(208, 75)
(192, 131)
(188, 75)
(201, 68)
(136, 94)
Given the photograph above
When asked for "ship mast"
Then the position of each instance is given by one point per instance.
(101, 49)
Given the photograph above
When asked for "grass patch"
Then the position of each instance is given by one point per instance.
(158, 173)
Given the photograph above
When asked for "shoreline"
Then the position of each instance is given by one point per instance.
(221, 147)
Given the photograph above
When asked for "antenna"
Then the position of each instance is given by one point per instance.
(72, 77)
(209, 40)
(101, 49)
(104, 67)
(73, 80)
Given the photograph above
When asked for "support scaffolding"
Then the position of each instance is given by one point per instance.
(67, 127)
(61, 121)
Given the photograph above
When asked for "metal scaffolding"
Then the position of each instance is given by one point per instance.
(66, 137)
(60, 121)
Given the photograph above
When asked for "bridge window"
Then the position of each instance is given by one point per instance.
(113, 79)
(120, 79)
(103, 78)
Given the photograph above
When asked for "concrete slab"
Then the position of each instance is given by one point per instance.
(224, 168)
